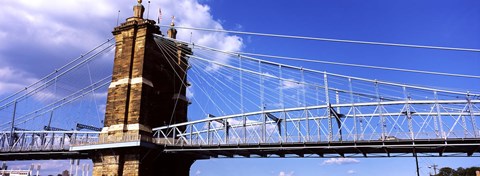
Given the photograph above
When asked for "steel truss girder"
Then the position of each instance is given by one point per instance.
(421, 126)
(43, 141)
(222, 136)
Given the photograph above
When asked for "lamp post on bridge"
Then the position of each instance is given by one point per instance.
(12, 130)
(4, 167)
(38, 170)
(76, 167)
(434, 167)
(32, 167)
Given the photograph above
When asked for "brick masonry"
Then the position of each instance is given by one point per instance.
(146, 83)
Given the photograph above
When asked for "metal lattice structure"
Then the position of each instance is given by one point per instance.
(44, 144)
(435, 124)
(306, 111)
(249, 107)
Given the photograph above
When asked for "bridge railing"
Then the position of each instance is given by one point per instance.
(108, 139)
(321, 124)
(20, 141)
(374, 137)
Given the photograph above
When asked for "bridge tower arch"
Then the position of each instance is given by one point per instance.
(148, 90)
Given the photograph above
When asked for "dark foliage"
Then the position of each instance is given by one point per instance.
(447, 171)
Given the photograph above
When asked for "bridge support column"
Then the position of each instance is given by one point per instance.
(148, 90)
(140, 163)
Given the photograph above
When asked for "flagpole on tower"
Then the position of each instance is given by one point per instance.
(148, 9)
(118, 16)
(159, 16)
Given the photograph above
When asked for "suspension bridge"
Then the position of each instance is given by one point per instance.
(238, 106)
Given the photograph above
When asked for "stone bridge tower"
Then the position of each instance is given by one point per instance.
(147, 90)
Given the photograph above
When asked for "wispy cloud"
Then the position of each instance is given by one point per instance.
(12, 80)
(102, 108)
(340, 161)
(283, 173)
(351, 172)
(290, 84)
(195, 14)
(57, 21)
(190, 92)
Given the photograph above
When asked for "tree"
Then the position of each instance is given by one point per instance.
(471, 171)
(446, 171)
(460, 171)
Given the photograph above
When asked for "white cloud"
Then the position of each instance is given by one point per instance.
(3, 36)
(190, 13)
(102, 108)
(84, 23)
(43, 33)
(50, 26)
(282, 173)
(100, 95)
(351, 172)
(340, 161)
(55, 24)
(238, 27)
(290, 84)
(12, 80)
(7, 73)
(190, 92)
(268, 75)
(198, 172)
(46, 95)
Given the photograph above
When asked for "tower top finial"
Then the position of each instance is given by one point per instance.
(173, 21)
(138, 10)
(172, 32)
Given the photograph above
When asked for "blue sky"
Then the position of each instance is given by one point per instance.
(40, 36)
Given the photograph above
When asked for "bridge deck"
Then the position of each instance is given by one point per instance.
(393, 148)
(43, 155)
(372, 148)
